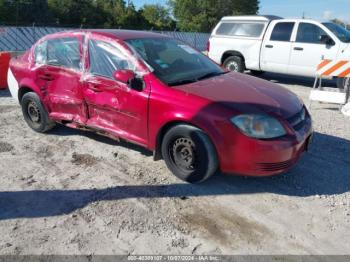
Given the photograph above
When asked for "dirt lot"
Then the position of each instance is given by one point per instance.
(70, 192)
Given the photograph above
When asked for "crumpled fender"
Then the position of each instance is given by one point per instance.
(29, 83)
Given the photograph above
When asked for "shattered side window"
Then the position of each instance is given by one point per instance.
(64, 52)
(106, 58)
(41, 53)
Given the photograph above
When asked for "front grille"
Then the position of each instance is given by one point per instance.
(298, 120)
(275, 166)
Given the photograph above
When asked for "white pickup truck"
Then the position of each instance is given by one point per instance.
(273, 44)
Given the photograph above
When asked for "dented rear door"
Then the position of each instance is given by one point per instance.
(60, 78)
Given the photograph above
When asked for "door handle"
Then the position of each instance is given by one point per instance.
(269, 46)
(298, 48)
(46, 77)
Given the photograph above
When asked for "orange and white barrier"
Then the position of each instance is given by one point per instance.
(346, 109)
(334, 68)
(330, 68)
(328, 97)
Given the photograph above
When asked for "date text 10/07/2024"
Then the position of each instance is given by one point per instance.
(173, 258)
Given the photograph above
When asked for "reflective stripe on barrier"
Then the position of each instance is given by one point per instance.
(334, 68)
(5, 58)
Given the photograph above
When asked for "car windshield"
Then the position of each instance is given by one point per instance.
(340, 32)
(174, 62)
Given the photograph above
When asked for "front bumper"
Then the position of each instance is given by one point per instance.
(252, 157)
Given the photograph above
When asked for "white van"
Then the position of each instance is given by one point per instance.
(273, 44)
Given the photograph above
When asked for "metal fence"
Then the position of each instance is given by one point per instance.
(22, 38)
(196, 40)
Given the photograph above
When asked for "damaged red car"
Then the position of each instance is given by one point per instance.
(160, 93)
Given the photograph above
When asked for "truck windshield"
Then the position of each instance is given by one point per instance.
(174, 62)
(340, 32)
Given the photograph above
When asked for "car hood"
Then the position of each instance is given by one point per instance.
(246, 94)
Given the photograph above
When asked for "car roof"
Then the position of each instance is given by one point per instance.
(252, 18)
(305, 20)
(115, 33)
(268, 18)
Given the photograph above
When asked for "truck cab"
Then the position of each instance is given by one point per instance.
(273, 44)
(297, 46)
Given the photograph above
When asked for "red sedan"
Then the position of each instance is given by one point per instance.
(162, 94)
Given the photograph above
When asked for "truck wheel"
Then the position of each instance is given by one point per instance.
(35, 114)
(234, 64)
(189, 154)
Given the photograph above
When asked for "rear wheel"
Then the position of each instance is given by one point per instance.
(35, 114)
(234, 64)
(189, 154)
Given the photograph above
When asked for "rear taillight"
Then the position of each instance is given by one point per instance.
(208, 46)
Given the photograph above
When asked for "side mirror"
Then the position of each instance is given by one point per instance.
(125, 76)
(327, 40)
(129, 77)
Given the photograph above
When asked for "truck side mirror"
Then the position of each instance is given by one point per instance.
(327, 40)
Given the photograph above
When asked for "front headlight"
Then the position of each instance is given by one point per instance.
(259, 126)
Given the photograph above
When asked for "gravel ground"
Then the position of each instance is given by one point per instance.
(70, 192)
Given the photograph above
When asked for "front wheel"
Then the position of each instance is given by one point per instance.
(35, 114)
(189, 154)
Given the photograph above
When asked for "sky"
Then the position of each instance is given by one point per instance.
(316, 9)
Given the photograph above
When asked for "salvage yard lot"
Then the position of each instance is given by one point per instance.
(71, 192)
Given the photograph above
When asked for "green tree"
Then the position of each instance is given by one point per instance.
(4, 17)
(130, 18)
(107, 7)
(77, 12)
(24, 11)
(116, 14)
(96, 13)
(244, 7)
(157, 16)
(342, 23)
(203, 15)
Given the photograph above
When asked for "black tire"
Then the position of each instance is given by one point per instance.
(256, 73)
(344, 84)
(234, 64)
(35, 114)
(189, 154)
